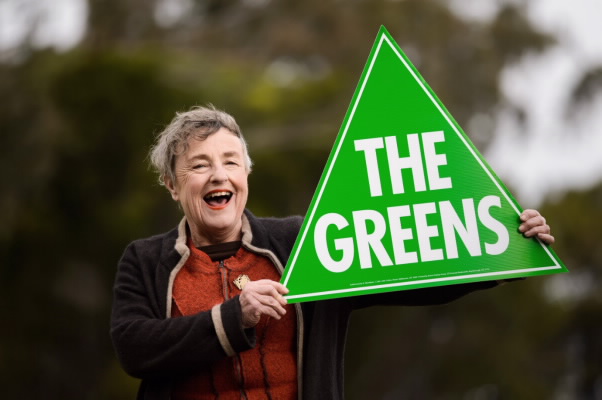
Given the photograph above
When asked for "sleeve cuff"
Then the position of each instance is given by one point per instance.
(504, 281)
(227, 319)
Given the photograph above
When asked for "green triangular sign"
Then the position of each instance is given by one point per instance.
(406, 200)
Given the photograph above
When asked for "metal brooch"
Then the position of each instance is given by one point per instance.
(241, 281)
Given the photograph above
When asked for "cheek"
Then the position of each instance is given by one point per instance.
(243, 191)
(195, 185)
(243, 199)
(245, 187)
(191, 193)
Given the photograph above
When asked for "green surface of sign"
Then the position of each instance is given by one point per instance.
(406, 200)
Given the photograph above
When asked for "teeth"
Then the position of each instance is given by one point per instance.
(216, 194)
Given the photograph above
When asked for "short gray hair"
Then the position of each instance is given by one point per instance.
(198, 123)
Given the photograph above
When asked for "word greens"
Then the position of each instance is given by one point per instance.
(423, 161)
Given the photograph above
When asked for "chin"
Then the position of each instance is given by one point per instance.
(222, 223)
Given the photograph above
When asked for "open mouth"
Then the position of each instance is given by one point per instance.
(218, 198)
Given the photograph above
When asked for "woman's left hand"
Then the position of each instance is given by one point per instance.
(533, 224)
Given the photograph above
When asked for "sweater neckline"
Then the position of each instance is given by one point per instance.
(221, 251)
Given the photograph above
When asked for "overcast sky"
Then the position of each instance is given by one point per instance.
(548, 155)
(559, 153)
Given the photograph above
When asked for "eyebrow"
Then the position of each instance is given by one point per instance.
(203, 156)
(231, 154)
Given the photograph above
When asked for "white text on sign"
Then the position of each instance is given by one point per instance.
(414, 162)
(450, 223)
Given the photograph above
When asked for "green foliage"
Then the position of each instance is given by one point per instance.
(76, 128)
(533, 339)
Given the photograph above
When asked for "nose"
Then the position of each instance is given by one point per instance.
(219, 174)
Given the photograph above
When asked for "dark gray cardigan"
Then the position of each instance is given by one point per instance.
(155, 348)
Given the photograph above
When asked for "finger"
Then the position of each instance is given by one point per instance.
(268, 302)
(252, 302)
(546, 238)
(277, 296)
(538, 229)
(270, 312)
(532, 223)
(252, 312)
(256, 314)
(280, 288)
(528, 214)
(266, 288)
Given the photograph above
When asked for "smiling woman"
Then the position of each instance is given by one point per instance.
(211, 185)
(202, 159)
(198, 312)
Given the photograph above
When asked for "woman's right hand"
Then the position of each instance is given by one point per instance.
(262, 297)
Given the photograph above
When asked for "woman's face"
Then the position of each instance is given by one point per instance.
(211, 186)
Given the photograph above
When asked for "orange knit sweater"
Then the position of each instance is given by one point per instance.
(268, 371)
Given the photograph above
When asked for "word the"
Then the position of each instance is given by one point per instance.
(418, 156)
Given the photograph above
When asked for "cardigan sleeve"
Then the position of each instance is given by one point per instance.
(422, 297)
(149, 345)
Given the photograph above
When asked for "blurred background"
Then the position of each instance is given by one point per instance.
(85, 86)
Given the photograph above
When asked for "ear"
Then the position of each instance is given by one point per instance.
(169, 184)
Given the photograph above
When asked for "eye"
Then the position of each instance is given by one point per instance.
(199, 166)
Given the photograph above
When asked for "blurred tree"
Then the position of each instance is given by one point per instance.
(534, 339)
(77, 127)
(80, 190)
(584, 92)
